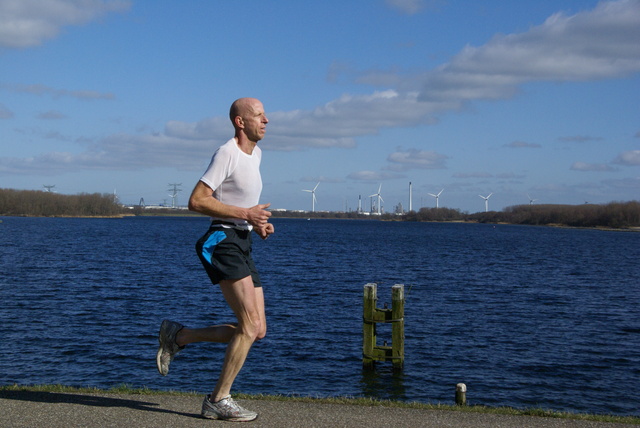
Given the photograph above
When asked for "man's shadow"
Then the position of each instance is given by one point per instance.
(86, 400)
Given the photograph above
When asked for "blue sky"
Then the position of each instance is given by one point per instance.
(532, 99)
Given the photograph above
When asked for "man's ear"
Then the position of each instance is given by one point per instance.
(239, 122)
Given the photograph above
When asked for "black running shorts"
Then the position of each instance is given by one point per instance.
(225, 253)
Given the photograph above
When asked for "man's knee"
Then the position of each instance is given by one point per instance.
(261, 333)
(253, 330)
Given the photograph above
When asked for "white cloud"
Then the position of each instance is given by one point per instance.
(409, 7)
(56, 93)
(51, 115)
(117, 152)
(629, 158)
(597, 167)
(335, 124)
(601, 43)
(351, 116)
(416, 159)
(26, 23)
(473, 175)
(522, 145)
(625, 183)
(372, 176)
(597, 44)
(321, 179)
(5, 113)
(579, 139)
(215, 127)
(509, 176)
(591, 45)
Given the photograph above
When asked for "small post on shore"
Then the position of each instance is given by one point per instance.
(461, 394)
(371, 352)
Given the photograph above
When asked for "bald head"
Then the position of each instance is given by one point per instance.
(249, 119)
(240, 107)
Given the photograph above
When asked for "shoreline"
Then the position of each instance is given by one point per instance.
(6, 391)
(195, 215)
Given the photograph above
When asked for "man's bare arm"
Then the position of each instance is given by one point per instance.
(202, 201)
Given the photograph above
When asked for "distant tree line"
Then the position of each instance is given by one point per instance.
(617, 215)
(425, 214)
(49, 204)
(436, 214)
(614, 215)
(319, 214)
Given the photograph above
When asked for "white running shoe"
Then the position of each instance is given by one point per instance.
(226, 409)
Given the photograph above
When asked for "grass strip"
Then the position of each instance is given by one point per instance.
(352, 401)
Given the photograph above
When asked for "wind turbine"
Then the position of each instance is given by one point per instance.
(436, 196)
(313, 197)
(378, 196)
(486, 201)
(531, 201)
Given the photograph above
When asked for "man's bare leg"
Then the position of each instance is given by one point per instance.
(222, 333)
(247, 303)
(217, 333)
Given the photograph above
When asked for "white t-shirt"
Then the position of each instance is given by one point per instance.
(235, 178)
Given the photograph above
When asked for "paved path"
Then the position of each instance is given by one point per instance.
(49, 409)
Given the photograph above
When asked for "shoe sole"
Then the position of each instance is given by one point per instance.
(159, 353)
(158, 363)
(218, 418)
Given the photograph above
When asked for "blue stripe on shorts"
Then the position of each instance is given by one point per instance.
(214, 239)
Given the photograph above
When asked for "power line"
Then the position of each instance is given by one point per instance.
(173, 188)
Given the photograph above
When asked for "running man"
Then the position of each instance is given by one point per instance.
(229, 192)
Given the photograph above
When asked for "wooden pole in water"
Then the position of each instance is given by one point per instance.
(368, 325)
(397, 326)
(461, 394)
(371, 352)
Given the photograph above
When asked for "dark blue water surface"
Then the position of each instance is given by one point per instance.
(525, 316)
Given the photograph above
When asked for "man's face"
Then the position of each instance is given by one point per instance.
(255, 121)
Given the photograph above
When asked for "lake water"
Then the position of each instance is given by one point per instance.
(524, 316)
